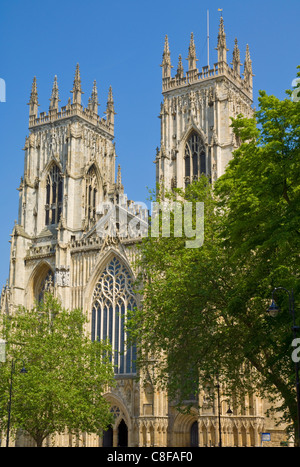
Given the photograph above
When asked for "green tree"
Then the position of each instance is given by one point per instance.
(66, 373)
(204, 310)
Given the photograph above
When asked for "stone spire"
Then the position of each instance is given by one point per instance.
(236, 60)
(248, 74)
(110, 109)
(94, 99)
(54, 100)
(166, 62)
(192, 59)
(180, 71)
(76, 91)
(33, 101)
(222, 49)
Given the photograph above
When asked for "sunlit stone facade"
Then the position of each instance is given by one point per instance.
(63, 242)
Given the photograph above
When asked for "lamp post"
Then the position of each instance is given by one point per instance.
(273, 310)
(219, 416)
(23, 370)
(229, 412)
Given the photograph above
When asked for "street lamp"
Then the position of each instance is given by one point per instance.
(229, 412)
(273, 310)
(23, 370)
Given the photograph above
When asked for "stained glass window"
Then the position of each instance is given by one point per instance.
(113, 297)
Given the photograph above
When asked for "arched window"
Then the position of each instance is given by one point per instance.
(91, 194)
(54, 196)
(113, 297)
(194, 158)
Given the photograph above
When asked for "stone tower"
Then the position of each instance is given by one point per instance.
(71, 237)
(196, 113)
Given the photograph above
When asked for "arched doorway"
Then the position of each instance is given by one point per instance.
(194, 435)
(122, 434)
(108, 438)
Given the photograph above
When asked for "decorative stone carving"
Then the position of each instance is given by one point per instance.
(62, 277)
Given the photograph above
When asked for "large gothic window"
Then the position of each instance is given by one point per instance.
(91, 194)
(54, 196)
(194, 158)
(113, 297)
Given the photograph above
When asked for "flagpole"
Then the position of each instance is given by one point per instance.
(208, 38)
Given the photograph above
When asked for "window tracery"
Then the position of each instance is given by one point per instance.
(113, 297)
(194, 158)
(54, 196)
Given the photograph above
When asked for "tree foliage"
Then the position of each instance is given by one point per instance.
(204, 310)
(67, 374)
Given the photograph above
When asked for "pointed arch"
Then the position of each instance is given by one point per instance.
(41, 280)
(54, 194)
(181, 432)
(194, 157)
(111, 297)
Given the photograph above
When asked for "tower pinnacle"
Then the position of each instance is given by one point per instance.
(54, 100)
(236, 60)
(110, 109)
(166, 62)
(33, 101)
(192, 59)
(221, 48)
(76, 91)
(94, 98)
(248, 74)
(180, 70)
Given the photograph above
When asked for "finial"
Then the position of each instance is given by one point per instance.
(236, 60)
(54, 100)
(166, 61)
(33, 101)
(248, 74)
(180, 70)
(110, 109)
(222, 49)
(76, 91)
(192, 54)
(94, 98)
(110, 99)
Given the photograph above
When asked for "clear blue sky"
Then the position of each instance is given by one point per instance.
(120, 43)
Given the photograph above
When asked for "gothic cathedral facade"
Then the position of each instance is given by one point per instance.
(69, 171)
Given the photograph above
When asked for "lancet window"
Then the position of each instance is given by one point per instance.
(113, 298)
(194, 158)
(54, 196)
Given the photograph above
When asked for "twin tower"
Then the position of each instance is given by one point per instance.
(69, 170)
(196, 113)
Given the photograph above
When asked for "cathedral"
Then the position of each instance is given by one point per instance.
(69, 238)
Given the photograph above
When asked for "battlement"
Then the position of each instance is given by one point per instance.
(207, 73)
(89, 114)
(220, 68)
(70, 111)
